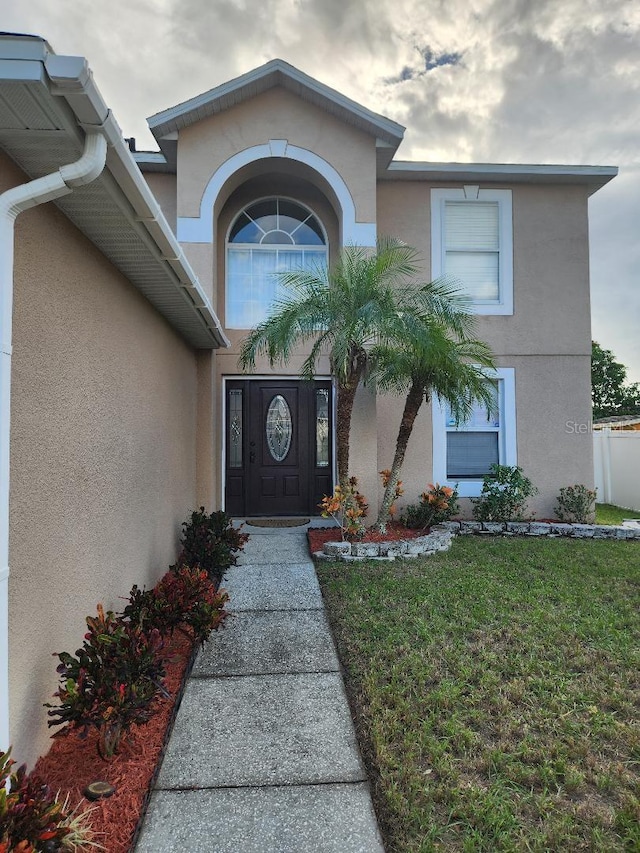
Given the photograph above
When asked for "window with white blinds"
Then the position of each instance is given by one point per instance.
(472, 247)
(474, 445)
(464, 452)
(471, 237)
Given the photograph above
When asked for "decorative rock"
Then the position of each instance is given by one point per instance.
(326, 558)
(603, 531)
(337, 548)
(518, 526)
(562, 529)
(539, 528)
(583, 531)
(493, 526)
(365, 549)
(624, 532)
(388, 549)
(449, 525)
(470, 527)
(415, 547)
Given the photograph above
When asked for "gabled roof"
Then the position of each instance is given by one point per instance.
(47, 102)
(275, 73)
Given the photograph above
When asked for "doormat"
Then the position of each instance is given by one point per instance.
(277, 522)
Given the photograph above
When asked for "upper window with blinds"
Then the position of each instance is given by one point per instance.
(471, 233)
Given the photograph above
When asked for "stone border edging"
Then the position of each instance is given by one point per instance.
(542, 528)
(439, 539)
(441, 536)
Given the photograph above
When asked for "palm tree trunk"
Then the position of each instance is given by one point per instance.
(412, 405)
(344, 409)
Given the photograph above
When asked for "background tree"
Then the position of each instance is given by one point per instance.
(365, 299)
(609, 393)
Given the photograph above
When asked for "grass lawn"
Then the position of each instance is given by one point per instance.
(496, 692)
(610, 514)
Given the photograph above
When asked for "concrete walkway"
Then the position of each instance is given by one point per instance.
(263, 756)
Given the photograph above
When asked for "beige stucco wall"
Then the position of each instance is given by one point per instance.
(551, 263)
(275, 114)
(103, 451)
(164, 189)
(552, 396)
(554, 442)
(547, 340)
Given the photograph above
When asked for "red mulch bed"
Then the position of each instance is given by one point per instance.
(317, 536)
(72, 763)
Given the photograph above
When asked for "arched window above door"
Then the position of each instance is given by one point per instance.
(268, 237)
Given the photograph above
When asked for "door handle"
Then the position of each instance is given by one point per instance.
(252, 456)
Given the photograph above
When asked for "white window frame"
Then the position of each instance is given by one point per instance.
(507, 446)
(471, 195)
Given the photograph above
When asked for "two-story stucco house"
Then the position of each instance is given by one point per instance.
(133, 290)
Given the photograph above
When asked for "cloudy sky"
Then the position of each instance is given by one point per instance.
(522, 81)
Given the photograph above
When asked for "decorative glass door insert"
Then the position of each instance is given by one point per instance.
(278, 428)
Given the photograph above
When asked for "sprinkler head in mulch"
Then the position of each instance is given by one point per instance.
(98, 790)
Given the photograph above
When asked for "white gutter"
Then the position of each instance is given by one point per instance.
(12, 203)
(71, 78)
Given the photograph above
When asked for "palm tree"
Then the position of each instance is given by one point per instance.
(365, 299)
(434, 361)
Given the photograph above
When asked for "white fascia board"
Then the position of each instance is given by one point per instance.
(153, 157)
(21, 71)
(20, 46)
(522, 172)
(480, 169)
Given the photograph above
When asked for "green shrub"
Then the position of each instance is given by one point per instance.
(185, 596)
(504, 495)
(113, 680)
(576, 503)
(438, 503)
(211, 542)
(32, 819)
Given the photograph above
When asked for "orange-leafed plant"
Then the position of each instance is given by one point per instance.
(348, 507)
(438, 503)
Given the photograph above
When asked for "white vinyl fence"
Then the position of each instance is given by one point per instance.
(616, 460)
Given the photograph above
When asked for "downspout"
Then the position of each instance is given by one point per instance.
(12, 203)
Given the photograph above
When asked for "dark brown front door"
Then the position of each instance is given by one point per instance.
(278, 438)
